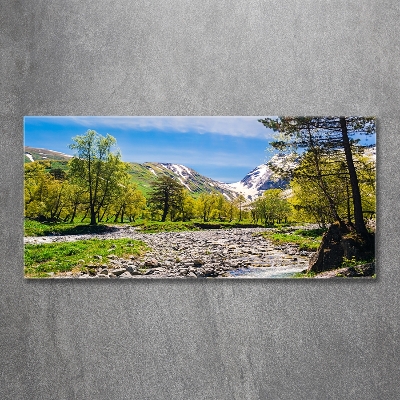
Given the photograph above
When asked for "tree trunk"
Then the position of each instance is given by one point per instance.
(85, 215)
(324, 188)
(73, 213)
(92, 215)
(165, 210)
(358, 213)
(348, 202)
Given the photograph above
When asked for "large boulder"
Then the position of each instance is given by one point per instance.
(338, 243)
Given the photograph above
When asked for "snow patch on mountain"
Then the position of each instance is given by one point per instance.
(29, 155)
(186, 169)
(33, 153)
(183, 183)
(195, 182)
(248, 192)
(48, 152)
(178, 169)
(262, 177)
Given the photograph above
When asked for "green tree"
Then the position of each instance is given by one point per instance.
(136, 205)
(129, 203)
(221, 207)
(239, 202)
(322, 136)
(96, 168)
(167, 195)
(207, 204)
(187, 210)
(44, 194)
(77, 201)
(271, 207)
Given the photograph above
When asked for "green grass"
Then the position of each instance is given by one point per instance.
(35, 228)
(156, 226)
(304, 275)
(43, 259)
(308, 240)
(178, 226)
(352, 264)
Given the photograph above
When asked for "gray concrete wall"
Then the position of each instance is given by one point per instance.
(199, 340)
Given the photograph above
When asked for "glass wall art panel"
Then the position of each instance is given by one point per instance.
(175, 197)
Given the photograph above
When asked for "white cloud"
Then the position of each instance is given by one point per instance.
(227, 125)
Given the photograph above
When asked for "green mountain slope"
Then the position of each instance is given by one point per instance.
(144, 174)
(34, 154)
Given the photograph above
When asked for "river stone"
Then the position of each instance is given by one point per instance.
(131, 268)
(150, 271)
(135, 272)
(152, 263)
(198, 262)
(119, 271)
(125, 275)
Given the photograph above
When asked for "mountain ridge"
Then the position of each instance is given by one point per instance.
(253, 185)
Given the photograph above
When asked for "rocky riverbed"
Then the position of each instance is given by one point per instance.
(229, 253)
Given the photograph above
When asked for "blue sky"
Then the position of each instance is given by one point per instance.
(222, 148)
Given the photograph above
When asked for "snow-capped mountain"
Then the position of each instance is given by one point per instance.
(33, 154)
(191, 179)
(262, 177)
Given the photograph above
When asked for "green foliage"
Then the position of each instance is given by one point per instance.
(307, 274)
(205, 205)
(167, 196)
(319, 200)
(313, 233)
(271, 207)
(324, 138)
(99, 171)
(311, 131)
(43, 259)
(96, 186)
(306, 240)
(353, 262)
(36, 228)
(44, 194)
(350, 262)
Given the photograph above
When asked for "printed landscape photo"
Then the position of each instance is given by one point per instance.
(199, 197)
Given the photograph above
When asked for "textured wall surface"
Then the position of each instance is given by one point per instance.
(199, 340)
